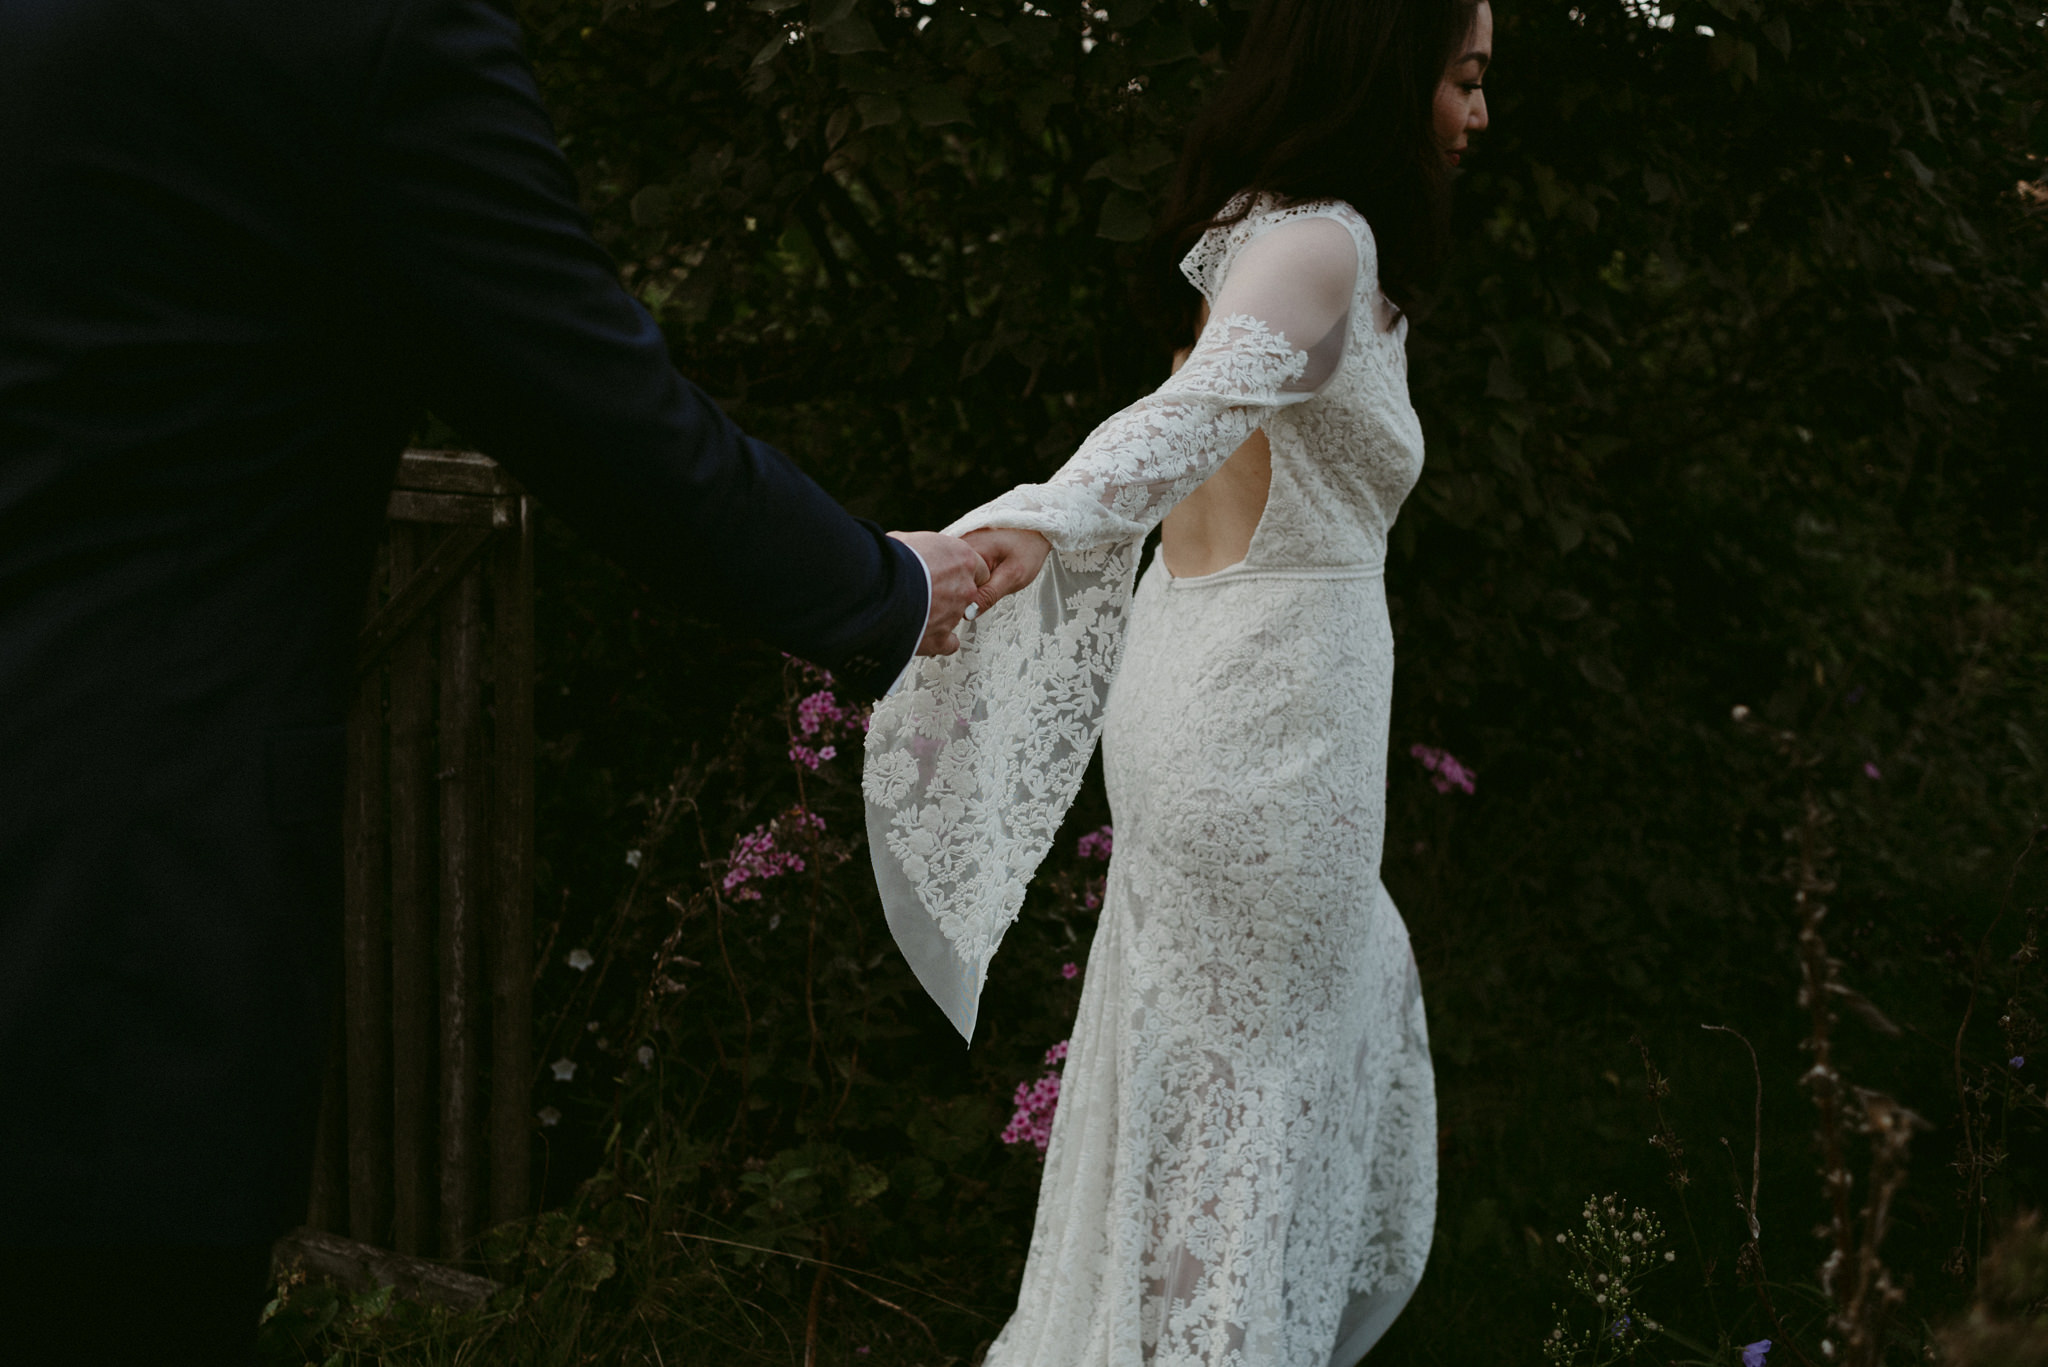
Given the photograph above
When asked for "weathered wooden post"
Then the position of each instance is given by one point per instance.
(434, 1063)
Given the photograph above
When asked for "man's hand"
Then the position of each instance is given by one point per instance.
(1014, 558)
(957, 573)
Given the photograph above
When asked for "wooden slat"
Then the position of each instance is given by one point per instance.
(366, 963)
(421, 588)
(462, 781)
(328, 1200)
(511, 938)
(454, 472)
(471, 510)
(414, 810)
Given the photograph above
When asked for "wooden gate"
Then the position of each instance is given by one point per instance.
(426, 1120)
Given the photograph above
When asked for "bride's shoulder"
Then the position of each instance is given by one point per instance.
(1316, 234)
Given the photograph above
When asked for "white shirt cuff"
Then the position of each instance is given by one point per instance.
(926, 617)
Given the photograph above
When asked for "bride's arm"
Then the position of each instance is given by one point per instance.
(1274, 337)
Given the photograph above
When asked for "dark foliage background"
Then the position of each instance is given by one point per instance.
(1735, 393)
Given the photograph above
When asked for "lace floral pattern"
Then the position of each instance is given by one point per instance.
(1241, 1172)
(1242, 1169)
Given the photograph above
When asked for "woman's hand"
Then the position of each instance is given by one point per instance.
(1014, 558)
(956, 573)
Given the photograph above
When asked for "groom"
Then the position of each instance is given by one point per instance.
(243, 245)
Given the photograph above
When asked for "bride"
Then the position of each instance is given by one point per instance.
(1242, 1170)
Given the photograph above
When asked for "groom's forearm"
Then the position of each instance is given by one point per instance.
(528, 343)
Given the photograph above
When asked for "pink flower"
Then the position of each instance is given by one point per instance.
(1095, 844)
(1091, 896)
(1445, 772)
(819, 710)
(1070, 971)
(821, 719)
(1036, 1102)
(755, 855)
(1870, 770)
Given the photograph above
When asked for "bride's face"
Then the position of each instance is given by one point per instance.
(1460, 96)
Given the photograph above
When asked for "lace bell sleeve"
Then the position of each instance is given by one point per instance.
(974, 758)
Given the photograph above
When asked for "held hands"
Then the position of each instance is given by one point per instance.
(957, 575)
(1014, 558)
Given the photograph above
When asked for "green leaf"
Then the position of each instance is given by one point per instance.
(865, 1183)
(1131, 166)
(847, 36)
(770, 50)
(1161, 44)
(1600, 672)
(1565, 605)
(934, 105)
(1507, 450)
(1733, 53)
(877, 111)
(1566, 529)
(591, 1267)
(651, 205)
(1124, 217)
(772, 6)
(865, 76)
(1036, 101)
(1128, 13)
(1501, 382)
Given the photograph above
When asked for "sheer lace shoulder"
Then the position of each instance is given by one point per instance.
(1212, 260)
(973, 761)
(1300, 279)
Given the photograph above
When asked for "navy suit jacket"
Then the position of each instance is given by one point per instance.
(243, 243)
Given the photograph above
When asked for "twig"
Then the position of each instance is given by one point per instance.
(842, 1271)
(1751, 1258)
(1972, 1194)
(652, 1342)
(746, 1012)
(811, 1316)
(897, 1308)
(1756, 1156)
(1861, 1310)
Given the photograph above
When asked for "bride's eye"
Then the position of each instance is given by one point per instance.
(1471, 87)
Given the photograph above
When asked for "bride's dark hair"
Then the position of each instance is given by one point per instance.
(1325, 99)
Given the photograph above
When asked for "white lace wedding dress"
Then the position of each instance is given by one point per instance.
(1242, 1171)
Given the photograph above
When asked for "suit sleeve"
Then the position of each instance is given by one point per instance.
(527, 342)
